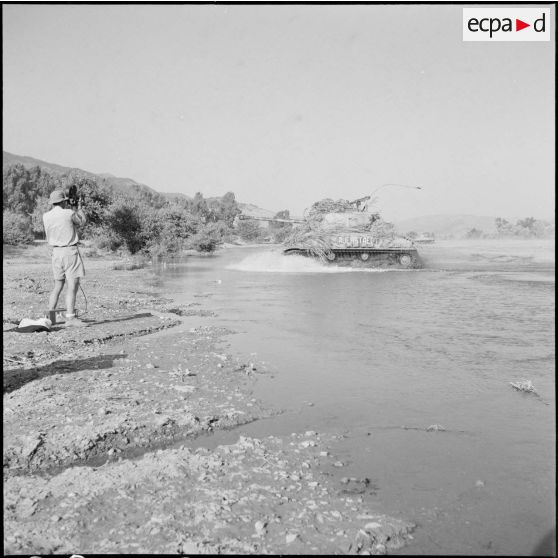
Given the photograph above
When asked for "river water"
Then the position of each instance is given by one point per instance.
(379, 356)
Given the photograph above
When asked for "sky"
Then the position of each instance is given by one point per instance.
(285, 105)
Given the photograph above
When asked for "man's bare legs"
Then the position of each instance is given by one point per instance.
(55, 294)
(71, 292)
(73, 285)
(71, 319)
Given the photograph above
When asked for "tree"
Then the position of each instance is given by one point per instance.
(224, 209)
(44, 182)
(503, 227)
(200, 207)
(22, 187)
(17, 189)
(178, 222)
(526, 228)
(249, 230)
(527, 223)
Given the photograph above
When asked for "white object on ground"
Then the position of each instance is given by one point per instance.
(34, 325)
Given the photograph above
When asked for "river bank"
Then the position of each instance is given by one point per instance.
(98, 425)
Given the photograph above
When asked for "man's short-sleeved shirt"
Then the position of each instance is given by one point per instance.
(60, 226)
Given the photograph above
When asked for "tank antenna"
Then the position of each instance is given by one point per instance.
(400, 185)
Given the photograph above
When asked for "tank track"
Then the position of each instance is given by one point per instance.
(386, 257)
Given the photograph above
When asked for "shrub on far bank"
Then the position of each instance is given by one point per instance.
(208, 237)
(124, 223)
(250, 231)
(165, 247)
(16, 228)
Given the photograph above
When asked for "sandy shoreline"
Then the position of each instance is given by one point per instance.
(97, 425)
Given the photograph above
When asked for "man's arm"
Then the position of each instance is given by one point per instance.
(78, 217)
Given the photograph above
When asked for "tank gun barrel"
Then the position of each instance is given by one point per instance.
(270, 219)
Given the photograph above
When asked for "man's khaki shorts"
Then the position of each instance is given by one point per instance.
(66, 263)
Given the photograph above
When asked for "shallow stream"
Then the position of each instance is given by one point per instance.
(381, 356)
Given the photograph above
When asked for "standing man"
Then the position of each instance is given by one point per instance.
(61, 224)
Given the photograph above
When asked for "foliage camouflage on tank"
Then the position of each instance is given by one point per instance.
(345, 233)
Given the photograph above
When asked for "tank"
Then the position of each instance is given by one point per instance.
(345, 233)
(425, 238)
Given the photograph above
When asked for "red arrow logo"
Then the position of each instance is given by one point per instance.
(519, 25)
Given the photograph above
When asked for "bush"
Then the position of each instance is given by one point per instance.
(167, 230)
(16, 228)
(95, 199)
(165, 247)
(250, 231)
(105, 239)
(203, 243)
(208, 238)
(125, 224)
(177, 222)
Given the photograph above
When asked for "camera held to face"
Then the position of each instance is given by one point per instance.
(73, 198)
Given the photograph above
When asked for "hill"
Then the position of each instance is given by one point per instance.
(255, 211)
(125, 185)
(29, 162)
(455, 226)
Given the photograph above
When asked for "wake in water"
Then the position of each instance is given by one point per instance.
(276, 262)
(540, 251)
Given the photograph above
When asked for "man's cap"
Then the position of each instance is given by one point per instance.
(57, 196)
